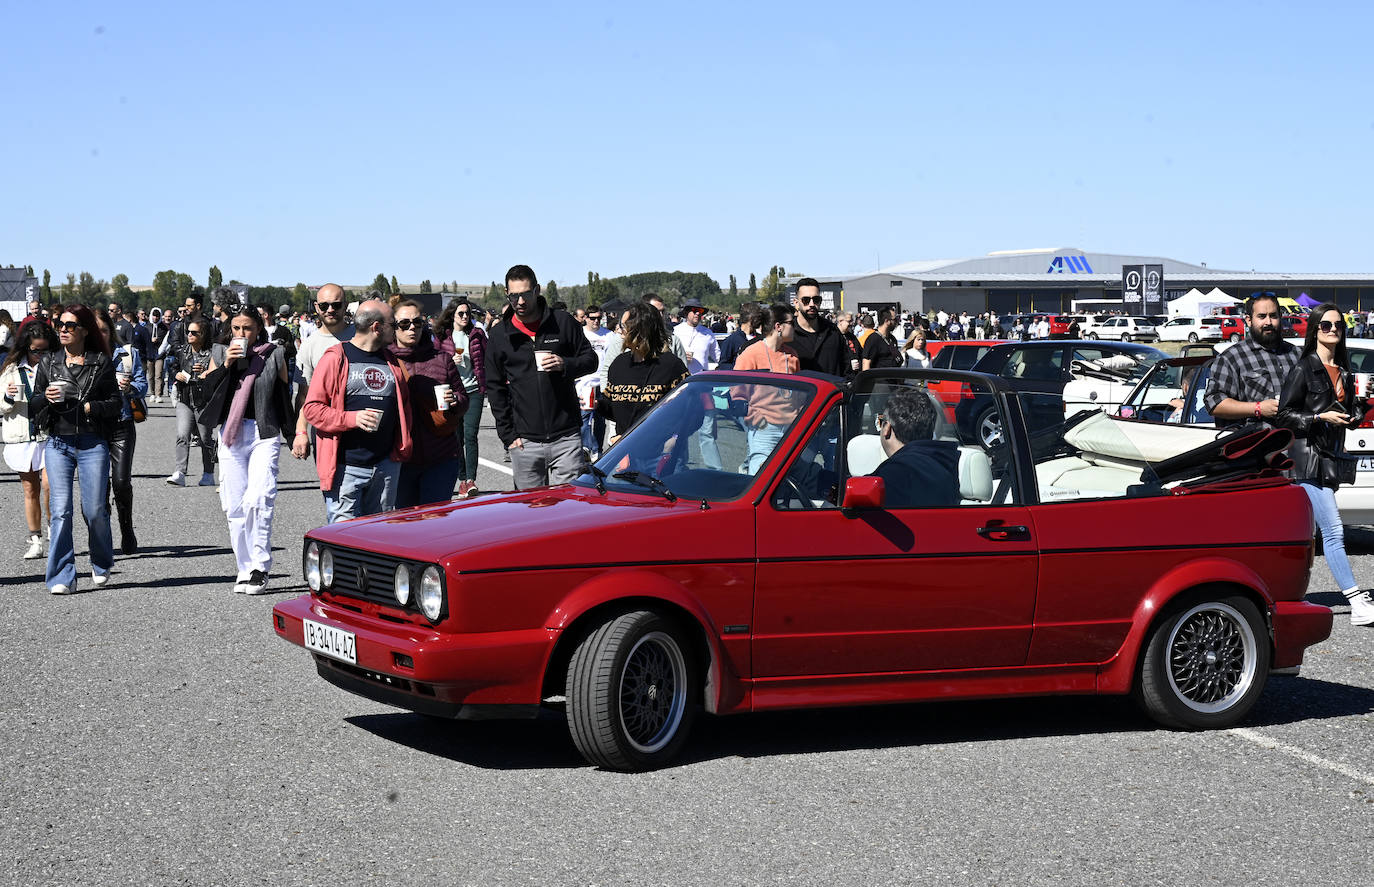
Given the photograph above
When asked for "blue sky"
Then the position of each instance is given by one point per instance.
(309, 142)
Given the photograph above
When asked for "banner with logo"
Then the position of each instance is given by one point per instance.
(1154, 289)
(1133, 288)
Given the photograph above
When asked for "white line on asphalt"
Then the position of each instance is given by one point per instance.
(1293, 752)
(497, 466)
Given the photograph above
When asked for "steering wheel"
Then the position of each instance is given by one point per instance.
(807, 504)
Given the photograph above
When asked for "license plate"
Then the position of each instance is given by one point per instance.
(333, 642)
(1366, 464)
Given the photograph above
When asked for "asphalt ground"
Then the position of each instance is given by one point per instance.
(157, 732)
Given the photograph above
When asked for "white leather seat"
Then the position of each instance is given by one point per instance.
(865, 454)
(975, 476)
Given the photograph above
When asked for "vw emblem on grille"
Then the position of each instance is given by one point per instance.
(362, 577)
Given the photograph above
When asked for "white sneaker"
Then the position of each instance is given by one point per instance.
(99, 579)
(35, 549)
(207, 479)
(177, 479)
(1362, 609)
(61, 589)
(241, 584)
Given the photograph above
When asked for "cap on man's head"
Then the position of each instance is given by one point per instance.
(284, 311)
(693, 303)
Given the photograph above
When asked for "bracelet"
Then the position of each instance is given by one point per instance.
(302, 434)
(1257, 410)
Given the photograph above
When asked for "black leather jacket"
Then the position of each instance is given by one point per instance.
(1308, 392)
(96, 385)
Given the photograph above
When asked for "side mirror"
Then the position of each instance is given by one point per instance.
(863, 492)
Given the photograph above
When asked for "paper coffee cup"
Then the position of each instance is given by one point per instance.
(441, 393)
(539, 357)
(68, 389)
(1362, 384)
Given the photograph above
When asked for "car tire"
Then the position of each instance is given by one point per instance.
(1235, 337)
(1192, 337)
(987, 428)
(1205, 663)
(631, 692)
(1090, 336)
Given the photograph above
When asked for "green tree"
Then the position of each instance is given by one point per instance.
(395, 287)
(379, 283)
(426, 286)
(771, 291)
(216, 278)
(186, 285)
(122, 294)
(164, 288)
(443, 286)
(300, 297)
(46, 292)
(68, 290)
(495, 294)
(89, 291)
(753, 289)
(28, 270)
(733, 294)
(552, 292)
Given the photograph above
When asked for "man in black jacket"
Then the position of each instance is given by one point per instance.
(534, 356)
(819, 343)
(918, 472)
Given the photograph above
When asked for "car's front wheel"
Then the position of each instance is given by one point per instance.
(631, 686)
(1192, 337)
(1235, 337)
(1205, 664)
(988, 428)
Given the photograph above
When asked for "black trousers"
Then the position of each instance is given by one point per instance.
(121, 464)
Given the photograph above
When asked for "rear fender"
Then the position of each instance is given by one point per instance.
(599, 598)
(1117, 675)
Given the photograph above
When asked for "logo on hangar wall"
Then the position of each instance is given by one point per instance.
(1071, 264)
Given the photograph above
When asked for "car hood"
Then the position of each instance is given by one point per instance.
(556, 526)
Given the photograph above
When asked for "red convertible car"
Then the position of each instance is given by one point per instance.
(826, 544)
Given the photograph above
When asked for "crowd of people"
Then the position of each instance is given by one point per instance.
(388, 401)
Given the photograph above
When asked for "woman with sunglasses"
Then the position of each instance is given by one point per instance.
(24, 440)
(436, 413)
(133, 387)
(1318, 404)
(466, 343)
(79, 406)
(247, 395)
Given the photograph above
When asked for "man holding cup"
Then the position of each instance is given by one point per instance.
(534, 356)
(359, 405)
(437, 402)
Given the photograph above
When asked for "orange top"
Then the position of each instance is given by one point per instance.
(1335, 373)
(767, 404)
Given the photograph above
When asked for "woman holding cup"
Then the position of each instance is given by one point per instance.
(1318, 403)
(438, 399)
(80, 402)
(247, 397)
(24, 440)
(133, 387)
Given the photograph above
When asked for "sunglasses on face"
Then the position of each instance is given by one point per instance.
(1327, 326)
(594, 318)
(460, 314)
(329, 306)
(67, 326)
(406, 324)
(810, 300)
(193, 332)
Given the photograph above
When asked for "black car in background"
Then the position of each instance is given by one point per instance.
(1037, 366)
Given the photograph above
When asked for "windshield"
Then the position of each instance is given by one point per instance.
(1172, 393)
(705, 440)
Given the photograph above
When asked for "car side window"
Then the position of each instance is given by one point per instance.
(812, 480)
(1035, 364)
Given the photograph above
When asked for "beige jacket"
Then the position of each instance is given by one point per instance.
(14, 416)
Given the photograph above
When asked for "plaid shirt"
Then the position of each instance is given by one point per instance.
(1247, 371)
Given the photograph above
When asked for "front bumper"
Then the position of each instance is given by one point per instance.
(1297, 626)
(458, 675)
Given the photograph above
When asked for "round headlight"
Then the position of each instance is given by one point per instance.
(401, 587)
(431, 593)
(312, 565)
(327, 568)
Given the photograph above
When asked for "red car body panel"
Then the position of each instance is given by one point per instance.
(813, 607)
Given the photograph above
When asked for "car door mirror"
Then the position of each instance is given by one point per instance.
(863, 492)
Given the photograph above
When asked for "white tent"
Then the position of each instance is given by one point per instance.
(1196, 303)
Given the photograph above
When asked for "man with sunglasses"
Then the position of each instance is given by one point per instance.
(534, 354)
(593, 425)
(819, 343)
(1247, 377)
(333, 328)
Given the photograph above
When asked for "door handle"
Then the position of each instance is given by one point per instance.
(1003, 532)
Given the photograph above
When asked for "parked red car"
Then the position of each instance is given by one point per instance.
(1079, 561)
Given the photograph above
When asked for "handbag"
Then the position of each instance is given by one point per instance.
(138, 408)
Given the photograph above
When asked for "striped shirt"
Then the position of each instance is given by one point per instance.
(1249, 372)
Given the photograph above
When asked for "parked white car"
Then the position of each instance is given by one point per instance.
(1125, 329)
(1191, 329)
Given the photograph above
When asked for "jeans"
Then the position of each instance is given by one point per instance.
(360, 490)
(762, 442)
(1328, 519)
(89, 455)
(185, 419)
(544, 464)
(472, 420)
(593, 432)
(425, 485)
(248, 495)
(706, 440)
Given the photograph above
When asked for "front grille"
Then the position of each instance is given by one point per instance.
(379, 574)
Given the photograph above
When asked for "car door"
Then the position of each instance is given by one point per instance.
(893, 589)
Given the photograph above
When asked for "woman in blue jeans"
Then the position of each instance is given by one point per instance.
(1318, 404)
(80, 403)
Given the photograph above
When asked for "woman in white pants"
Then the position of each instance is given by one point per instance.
(244, 396)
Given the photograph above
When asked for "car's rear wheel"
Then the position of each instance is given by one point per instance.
(1090, 335)
(1205, 663)
(1192, 337)
(1235, 337)
(630, 691)
(988, 428)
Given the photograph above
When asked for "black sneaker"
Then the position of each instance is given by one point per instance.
(256, 584)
